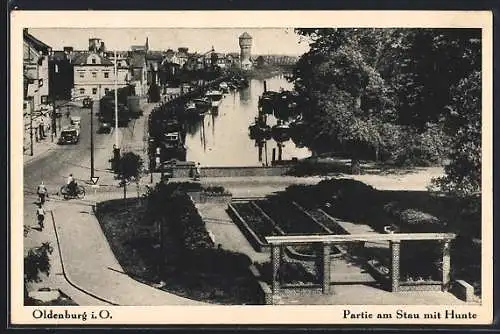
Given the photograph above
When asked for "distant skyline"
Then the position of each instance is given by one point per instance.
(265, 40)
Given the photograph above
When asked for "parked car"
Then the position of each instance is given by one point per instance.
(105, 127)
(70, 135)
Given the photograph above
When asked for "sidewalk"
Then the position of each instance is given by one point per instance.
(40, 149)
(91, 265)
(56, 279)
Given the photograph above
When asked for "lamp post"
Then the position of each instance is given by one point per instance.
(53, 114)
(116, 101)
(92, 138)
(32, 108)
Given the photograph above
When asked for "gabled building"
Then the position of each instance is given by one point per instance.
(138, 67)
(36, 71)
(138, 72)
(153, 64)
(94, 75)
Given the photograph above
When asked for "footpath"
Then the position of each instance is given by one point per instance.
(90, 265)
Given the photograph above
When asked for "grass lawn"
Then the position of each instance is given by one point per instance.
(212, 276)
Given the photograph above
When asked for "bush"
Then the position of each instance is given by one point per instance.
(422, 149)
(218, 190)
(412, 220)
(185, 221)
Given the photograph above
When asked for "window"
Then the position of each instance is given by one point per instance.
(94, 75)
(82, 91)
(82, 75)
(94, 91)
(106, 75)
(106, 91)
(93, 61)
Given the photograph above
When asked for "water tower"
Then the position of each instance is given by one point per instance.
(246, 50)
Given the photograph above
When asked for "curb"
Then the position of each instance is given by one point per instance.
(64, 270)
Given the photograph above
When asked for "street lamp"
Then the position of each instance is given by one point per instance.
(116, 101)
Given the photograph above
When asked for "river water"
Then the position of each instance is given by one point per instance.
(222, 139)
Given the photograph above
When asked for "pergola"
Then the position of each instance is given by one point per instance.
(326, 241)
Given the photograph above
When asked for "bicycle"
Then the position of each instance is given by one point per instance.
(80, 192)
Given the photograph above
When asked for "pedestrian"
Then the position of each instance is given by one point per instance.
(41, 129)
(197, 172)
(42, 192)
(40, 214)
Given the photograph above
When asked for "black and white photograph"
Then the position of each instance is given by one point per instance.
(316, 166)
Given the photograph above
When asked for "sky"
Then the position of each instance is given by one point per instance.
(265, 40)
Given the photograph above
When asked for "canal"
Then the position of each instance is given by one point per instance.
(222, 139)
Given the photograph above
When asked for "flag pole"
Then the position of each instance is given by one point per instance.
(116, 100)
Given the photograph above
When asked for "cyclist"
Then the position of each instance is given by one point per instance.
(71, 183)
(42, 192)
(40, 213)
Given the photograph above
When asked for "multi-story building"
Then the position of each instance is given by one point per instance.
(182, 56)
(153, 64)
(60, 75)
(94, 75)
(36, 71)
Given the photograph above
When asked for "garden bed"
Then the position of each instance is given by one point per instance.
(189, 264)
(289, 218)
(252, 224)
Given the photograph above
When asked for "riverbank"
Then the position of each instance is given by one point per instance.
(262, 73)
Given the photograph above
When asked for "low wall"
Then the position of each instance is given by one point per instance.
(262, 289)
(203, 197)
(252, 238)
(186, 171)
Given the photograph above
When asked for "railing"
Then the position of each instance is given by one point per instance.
(278, 242)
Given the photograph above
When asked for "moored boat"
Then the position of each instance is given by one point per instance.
(202, 104)
(224, 87)
(280, 132)
(215, 97)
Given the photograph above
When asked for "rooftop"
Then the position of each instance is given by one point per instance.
(36, 43)
(245, 35)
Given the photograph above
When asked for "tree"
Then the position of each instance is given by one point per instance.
(365, 87)
(463, 174)
(36, 262)
(129, 168)
(349, 99)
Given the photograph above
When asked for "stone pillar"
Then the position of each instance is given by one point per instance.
(326, 268)
(395, 257)
(446, 265)
(275, 263)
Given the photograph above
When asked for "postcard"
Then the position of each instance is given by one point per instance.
(251, 167)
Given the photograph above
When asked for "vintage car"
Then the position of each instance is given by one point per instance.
(105, 127)
(69, 135)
